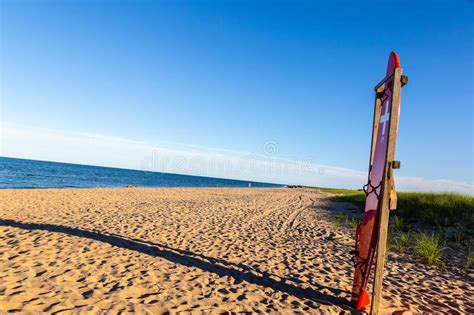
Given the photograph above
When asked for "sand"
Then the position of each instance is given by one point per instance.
(213, 250)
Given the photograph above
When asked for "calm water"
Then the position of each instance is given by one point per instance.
(19, 173)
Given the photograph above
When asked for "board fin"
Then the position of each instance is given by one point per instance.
(363, 301)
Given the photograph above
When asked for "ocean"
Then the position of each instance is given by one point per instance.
(21, 173)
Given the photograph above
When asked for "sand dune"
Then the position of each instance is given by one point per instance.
(158, 250)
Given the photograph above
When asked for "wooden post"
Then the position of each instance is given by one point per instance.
(388, 187)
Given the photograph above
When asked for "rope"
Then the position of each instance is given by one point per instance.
(373, 188)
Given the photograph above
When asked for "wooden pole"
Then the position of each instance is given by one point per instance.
(387, 188)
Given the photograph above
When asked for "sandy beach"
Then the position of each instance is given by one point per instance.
(157, 250)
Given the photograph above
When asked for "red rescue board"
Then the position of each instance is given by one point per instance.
(366, 232)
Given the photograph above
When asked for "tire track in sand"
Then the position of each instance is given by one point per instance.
(289, 223)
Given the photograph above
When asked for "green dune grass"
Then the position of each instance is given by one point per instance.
(424, 222)
(434, 209)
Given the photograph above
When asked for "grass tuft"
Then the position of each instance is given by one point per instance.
(470, 257)
(428, 248)
(402, 241)
(353, 222)
(342, 220)
(461, 232)
(339, 221)
(396, 224)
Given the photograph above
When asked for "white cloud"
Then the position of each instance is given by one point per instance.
(96, 149)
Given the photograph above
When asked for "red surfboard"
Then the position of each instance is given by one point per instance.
(366, 232)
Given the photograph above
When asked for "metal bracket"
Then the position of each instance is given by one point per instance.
(404, 79)
(392, 200)
(396, 165)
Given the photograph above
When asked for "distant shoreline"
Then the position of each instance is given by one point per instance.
(137, 187)
(17, 173)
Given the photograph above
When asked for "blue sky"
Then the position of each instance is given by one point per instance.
(234, 75)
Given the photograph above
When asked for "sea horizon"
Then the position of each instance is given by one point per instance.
(23, 173)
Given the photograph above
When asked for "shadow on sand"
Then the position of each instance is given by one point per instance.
(190, 259)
